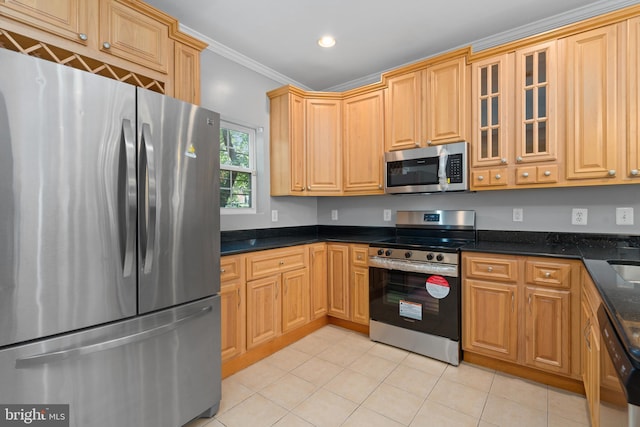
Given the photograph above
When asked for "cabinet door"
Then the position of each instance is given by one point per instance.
(65, 18)
(491, 103)
(360, 295)
(263, 310)
(592, 103)
(295, 299)
(318, 280)
(364, 143)
(338, 276)
(633, 99)
(490, 324)
(134, 36)
(232, 319)
(447, 102)
(186, 74)
(403, 112)
(536, 85)
(547, 340)
(324, 146)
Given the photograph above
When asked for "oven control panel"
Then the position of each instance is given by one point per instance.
(414, 255)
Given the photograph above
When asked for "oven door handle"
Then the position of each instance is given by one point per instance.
(448, 270)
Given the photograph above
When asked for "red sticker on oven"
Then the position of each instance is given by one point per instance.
(437, 286)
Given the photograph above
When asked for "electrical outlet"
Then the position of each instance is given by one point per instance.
(274, 216)
(518, 214)
(624, 216)
(579, 216)
(386, 214)
(334, 214)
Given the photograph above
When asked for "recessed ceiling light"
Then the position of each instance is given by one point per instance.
(327, 41)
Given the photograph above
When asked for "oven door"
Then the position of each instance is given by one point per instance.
(423, 302)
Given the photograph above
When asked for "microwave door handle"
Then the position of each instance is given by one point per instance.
(150, 198)
(127, 196)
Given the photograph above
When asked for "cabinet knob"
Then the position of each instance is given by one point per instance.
(106, 45)
(519, 159)
(480, 178)
(503, 161)
(547, 173)
(309, 188)
(547, 274)
(281, 262)
(222, 270)
(417, 144)
(429, 142)
(525, 174)
(82, 36)
(489, 269)
(612, 172)
(380, 186)
(634, 172)
(498, 176)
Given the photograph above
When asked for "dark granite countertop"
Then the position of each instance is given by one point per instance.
(621, 298)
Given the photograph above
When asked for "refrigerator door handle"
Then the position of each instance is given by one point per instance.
(150, 199)
(128, 175)
(57, 356)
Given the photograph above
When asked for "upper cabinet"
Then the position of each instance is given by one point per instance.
(428, 106)
(632, 166)
(515, 118)
(594, 107)
(125, 40)
(363, 143)
(306, 144)
(133, 35)
(64, 18)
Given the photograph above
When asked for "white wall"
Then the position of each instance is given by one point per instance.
(544, 209)
(239, 95)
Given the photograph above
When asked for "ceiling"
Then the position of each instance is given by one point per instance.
(280, 36)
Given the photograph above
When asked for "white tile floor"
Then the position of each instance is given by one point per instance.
(335, 377)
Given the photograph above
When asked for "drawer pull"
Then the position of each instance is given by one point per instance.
(503, 161)
(526, 174)
(480, 178)
(513, 301)
(498, 176)
(547, 173)
(489, 269)
(281, 262)
(238, 296)
(612, 172)
(222, 270)
(547, 274)
(519, 159)
(106, 45)
(634, 172)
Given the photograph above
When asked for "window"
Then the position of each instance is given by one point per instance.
(237, 167)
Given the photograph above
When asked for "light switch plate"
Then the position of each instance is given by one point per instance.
(579, 216)
(518, 214)
(386, 214)
(334, 214)
(274, 216)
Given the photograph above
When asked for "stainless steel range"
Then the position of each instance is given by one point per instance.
(414, 283)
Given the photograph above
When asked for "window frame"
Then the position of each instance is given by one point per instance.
(252, 131)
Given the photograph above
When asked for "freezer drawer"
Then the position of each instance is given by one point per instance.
(162, 369)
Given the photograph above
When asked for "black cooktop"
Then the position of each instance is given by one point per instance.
(440, 244)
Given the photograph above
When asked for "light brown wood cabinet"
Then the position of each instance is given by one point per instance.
(124, 40)
(277, 293)
(590, 347)
(428, 106)
(594, 102)
(363, 143)
(523, 310)
(305, 144)
(348, 282)
(233, 305)
(515, 119)
(632, 149)
(318, 279)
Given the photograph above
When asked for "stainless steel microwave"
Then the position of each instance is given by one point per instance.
(427, 170)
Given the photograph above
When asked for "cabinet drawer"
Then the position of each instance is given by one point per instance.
(544, 273)
(230, 268)
(266, 263)
(360, 256)
(502, 268)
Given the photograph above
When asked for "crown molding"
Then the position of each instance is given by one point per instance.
(245, 61)
(551, 23)
(536, 27)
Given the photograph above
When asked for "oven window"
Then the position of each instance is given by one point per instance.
(403, 288)
(400, 298)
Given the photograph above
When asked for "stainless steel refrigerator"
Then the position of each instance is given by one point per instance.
(109, 248)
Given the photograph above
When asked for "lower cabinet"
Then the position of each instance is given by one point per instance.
(348, 282)
(525, 310)
(590, 348)
(319, 301)
(233, 305)
(263, 310)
